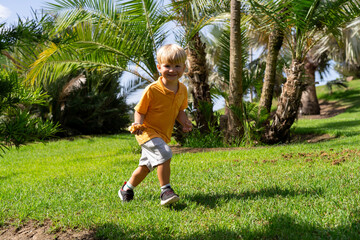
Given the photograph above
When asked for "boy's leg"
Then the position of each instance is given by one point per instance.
(138, 175)
(167, 193)
(126, 192)
(163, 172)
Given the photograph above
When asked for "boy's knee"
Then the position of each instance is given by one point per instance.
(143, 169)
(166, 162)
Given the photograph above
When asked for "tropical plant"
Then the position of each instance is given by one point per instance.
(18, 125)
(193, 17)
(345, 52)
(309, 102)
(304, 24)
(252, 74)
(340, 83)
(235, 122)
(103, 34)
(274, 45)
(89, 104)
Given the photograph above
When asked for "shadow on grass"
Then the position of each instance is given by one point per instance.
(339, 125)
(8, 176)
(287, 227)
(280, 226)
(350, 97)
(343, 128)
(214, 200)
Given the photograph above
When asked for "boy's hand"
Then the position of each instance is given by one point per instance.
(137, 128)
(187, 127)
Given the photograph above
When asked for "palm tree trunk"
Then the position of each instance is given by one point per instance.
(309, 101)
(275, 42)
(235, 124)
(198, 76)
(288, 105)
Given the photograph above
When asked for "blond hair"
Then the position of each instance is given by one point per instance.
(171, 53)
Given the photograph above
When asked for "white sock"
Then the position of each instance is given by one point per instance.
(128, 186)
(165, 186)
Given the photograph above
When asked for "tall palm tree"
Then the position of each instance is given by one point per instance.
(309, 101)
(304, 23)
(193, 16)
(235, 124)
(275, 42)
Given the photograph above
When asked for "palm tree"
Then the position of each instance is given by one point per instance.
(309, 101)
(275, 42)
(193, 16)
(235, 124)
(304, 24)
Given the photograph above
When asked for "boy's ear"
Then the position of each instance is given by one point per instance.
(158, 66)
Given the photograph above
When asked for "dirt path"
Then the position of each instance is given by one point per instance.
(43, 231)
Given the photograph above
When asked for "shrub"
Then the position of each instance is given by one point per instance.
(91, 106)
(196, 139)
(17, 124)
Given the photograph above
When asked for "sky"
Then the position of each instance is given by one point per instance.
(10, 9)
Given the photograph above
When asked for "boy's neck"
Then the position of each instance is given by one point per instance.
(171, 85)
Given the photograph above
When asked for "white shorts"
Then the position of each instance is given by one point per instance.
(154, 152)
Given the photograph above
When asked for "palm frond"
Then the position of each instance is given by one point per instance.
(307, 21)
(100, 35)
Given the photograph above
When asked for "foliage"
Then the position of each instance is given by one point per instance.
(305, 23)
(88, 104)
(338, 83)
(196, 139)
(101, 32)
(24, 33)
(253, 122)
(92, 108)
(22, 127)
(211, 138)
(17, 123)
(194, 16)
(253, 75)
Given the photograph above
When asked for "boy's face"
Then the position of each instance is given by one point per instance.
(170, 71)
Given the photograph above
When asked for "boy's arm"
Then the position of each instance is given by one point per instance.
(138, 120)
(184, 121)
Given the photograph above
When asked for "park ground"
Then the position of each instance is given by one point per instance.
(306, 189)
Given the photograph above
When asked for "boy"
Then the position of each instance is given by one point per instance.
(163, 102)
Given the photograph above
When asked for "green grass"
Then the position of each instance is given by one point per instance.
(296, 191)
(345, 124)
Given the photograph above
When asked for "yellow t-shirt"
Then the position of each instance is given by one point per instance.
(161, 107)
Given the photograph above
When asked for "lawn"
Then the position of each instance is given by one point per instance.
(292, 191)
